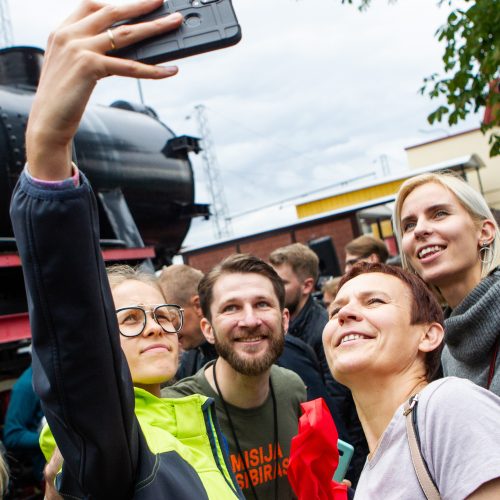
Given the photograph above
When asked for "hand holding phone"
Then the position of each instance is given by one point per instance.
(345, 454)
(207, 25)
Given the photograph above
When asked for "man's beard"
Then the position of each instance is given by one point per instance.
(292, 303)
(246, 365)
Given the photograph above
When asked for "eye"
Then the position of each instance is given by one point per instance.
(375, 300)
(334, 311)
(129, 317)
(440, 214)
(408, 226)
(229, 308)
(263, 304)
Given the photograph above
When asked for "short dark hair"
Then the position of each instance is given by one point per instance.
(303, 261)
(365, 245)
(425, 308)
(238, 263)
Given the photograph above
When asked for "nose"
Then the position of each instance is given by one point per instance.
(348, 313)
(152, 327)
(422, 227)
(249, 317)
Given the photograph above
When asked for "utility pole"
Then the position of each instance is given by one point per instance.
(6, 36)
(220, 212)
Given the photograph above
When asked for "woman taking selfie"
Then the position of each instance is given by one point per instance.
(448, 236)
(102, 347)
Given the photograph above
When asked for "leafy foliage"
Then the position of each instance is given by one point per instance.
(471, 62)
(471, 66)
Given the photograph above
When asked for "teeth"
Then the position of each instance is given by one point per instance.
(251, 339)
(353, 336)
(428, 250)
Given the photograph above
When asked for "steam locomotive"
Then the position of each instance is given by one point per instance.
(138, 167)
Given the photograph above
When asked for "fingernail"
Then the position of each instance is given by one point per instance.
(176, 16)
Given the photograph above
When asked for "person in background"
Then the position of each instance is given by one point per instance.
(365, 248)
(449, 237)
(298, 266)
(179, 283)
(257, 402)
(383, 341)
(329, 290)
(23, 423)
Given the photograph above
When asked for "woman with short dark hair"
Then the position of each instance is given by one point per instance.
(383, 341)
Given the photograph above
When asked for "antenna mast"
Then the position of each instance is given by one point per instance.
(220, 212)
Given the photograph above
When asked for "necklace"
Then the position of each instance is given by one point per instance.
(238, 447)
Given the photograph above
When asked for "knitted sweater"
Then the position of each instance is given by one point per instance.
(472, 331)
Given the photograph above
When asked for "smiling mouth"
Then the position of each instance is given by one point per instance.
(251, 339)
(425, 252)
(353, 336)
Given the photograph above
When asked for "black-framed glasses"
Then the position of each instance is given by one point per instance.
(132, 320)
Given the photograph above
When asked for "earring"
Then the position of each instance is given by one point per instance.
(485, 253)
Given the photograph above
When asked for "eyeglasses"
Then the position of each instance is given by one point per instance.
(132, 320)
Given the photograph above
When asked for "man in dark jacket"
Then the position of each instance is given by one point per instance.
(298, 267)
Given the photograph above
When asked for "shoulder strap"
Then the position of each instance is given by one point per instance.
(424, 478)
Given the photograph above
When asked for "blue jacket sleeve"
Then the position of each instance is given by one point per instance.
(23, 417)
(79, 370)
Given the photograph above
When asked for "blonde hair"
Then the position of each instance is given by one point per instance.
(303, 261)
(119, 273)
(472, 201)
(179, 283)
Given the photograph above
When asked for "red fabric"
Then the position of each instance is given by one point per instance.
(314, 455)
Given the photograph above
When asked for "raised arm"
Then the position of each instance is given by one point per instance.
(75, 60)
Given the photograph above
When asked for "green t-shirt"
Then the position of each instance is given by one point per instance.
(254, 429)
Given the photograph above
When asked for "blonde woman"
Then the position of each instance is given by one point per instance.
(449, 237)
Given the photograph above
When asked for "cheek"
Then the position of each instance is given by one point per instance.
(328, 335)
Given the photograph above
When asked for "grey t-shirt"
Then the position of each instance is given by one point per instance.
(459, 427)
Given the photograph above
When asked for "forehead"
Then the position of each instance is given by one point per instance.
(285, 271)
(133, 292)
(242, 286)
(430, 193)
(376, 282)
(350, 256)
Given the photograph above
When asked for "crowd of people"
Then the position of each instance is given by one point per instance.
(189, 385)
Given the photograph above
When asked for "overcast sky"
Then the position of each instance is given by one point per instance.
(315, 93)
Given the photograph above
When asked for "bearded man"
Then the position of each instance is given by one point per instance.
(257, 403)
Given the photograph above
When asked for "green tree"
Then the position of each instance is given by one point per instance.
(470, 79)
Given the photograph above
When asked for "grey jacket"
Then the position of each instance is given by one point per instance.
(472, 333)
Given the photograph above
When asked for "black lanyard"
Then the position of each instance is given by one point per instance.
(238, 447)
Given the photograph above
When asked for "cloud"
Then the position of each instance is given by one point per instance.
(316, 93)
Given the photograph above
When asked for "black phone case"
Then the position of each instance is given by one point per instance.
(207, 25)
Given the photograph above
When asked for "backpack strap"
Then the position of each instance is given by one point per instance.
(424, 478)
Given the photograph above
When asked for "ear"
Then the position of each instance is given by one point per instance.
(487, 233)
(307, 286)
(195, 302)
(285, 319)
(208, 331)
(432, 337)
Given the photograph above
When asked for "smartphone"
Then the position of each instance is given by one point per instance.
(345, 454)
(208, 25)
